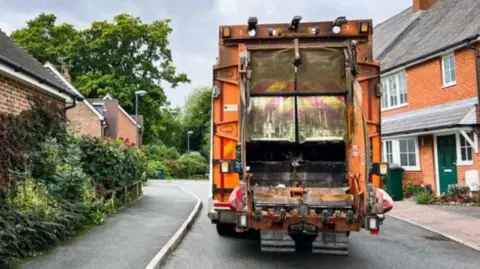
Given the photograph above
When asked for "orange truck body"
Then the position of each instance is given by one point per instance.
(240, 193)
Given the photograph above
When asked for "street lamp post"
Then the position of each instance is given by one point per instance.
(189, 133)
(137, 94)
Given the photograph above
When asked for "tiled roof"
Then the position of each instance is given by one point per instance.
(16, 54)
(445, 23)
(385, 33)
(439, 116)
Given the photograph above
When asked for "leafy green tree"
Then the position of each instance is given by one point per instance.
(196, 117)
(116, 58)
(47, 41)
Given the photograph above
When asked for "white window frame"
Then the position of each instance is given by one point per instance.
(386, 90)
(396, 152)
(458, 136)
(453, 82)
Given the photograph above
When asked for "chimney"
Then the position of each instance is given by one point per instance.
(66, 75)
(421, 5)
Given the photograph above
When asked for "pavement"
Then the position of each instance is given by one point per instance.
(470, 211)
(399, 245)
(130, 239)
(458, 223)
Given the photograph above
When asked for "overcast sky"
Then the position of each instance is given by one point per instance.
(195, 22)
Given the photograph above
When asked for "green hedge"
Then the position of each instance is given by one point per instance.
(53, 184)
(184, 167)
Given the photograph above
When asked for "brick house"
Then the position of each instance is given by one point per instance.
(84, 118)
(429, 55)
(120, 123)
(22, 77)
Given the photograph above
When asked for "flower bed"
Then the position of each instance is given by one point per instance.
(457, 195)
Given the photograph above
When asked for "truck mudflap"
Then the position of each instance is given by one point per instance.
(325, 242)
(333, 243)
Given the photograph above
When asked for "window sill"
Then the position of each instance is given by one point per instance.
(394, 107)
(449, 85)
(412, 169)
(465, 163)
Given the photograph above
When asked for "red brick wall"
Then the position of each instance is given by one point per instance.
(84, 120)
(125, 127)
(426, 175)
(424, 83)
(14, 96)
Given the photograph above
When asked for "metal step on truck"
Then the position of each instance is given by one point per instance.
(296, 142)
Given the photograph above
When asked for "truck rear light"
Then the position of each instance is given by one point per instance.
(226, 32)
(252, 26)
(213, 215)
(383, 169)
(380, 169)
(242, 221)
(373, 223)
(295, 23)
(337, 24)
(224, 167)
(364, 27)
(227, 167)
(222, 206)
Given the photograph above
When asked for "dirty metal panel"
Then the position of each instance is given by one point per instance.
(311, 174)
(271, 118)
(272, 70)
(321, 69)
(314, 197)
(322, 118)
(328, 197)
(274, 196)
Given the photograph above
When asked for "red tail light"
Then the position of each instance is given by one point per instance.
(223, 205)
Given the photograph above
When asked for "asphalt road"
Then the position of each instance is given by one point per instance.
(131, 237)
(400, 245)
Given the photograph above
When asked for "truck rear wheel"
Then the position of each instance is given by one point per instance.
(225, 229)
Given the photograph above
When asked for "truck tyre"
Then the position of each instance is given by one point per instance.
(225, 229)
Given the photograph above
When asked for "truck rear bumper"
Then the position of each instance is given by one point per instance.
(325, 242)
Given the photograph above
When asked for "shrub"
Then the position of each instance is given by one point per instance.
(193, 164)
(412, 190)
(172, 168)
(30, 196)
(476, 198)
(20, 135)
(457, 194)
(162, 152)
(424, 198)
(458, 189)
(152, 168)
(112, 164)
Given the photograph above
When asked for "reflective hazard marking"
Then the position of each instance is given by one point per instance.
(229, 108)
(355, 150)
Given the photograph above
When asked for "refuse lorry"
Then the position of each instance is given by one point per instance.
(296, 144)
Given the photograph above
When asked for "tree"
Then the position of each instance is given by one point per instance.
(196, 117)
(47, 41)
(116, 58)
